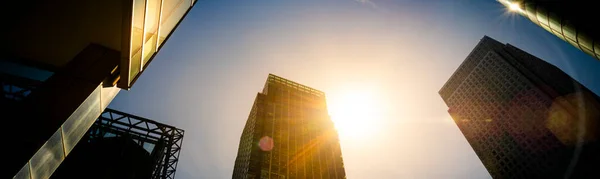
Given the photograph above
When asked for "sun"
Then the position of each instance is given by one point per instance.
(354, 113)
(514, 7)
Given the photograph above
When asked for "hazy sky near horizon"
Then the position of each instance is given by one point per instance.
(399, 53)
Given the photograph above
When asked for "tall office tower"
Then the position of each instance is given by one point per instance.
(524, 117)
(62, 64)
(569, 20)
(289, 135)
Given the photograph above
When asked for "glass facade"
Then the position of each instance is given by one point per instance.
(103, 44)
(53, 152)
(556, 23)
(295, 136)
(509, 106)
(17, 87)
(152, 23)
(136, 28)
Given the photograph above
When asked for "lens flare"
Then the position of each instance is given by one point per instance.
(266, 143)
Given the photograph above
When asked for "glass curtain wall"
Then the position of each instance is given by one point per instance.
(153, 21)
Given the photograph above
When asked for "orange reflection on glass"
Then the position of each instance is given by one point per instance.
(573, 118)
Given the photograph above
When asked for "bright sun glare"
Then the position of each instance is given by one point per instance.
(514, 7)
(355, 113)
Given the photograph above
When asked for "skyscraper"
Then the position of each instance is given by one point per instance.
(567, 19)
(62, 64)
(524, 117)
(289, 135)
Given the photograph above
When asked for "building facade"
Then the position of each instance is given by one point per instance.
(524, 117)
(567, 19)
(62, 64)
(289, 134)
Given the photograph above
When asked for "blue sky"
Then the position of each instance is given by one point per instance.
(205, 78)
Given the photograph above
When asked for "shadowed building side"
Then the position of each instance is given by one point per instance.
(85, 52)
(524, 117)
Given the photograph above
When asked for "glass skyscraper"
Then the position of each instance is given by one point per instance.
(524, 117)
(63, 62)
(289, 135)
(570, 20)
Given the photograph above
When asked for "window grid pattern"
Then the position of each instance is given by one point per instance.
(472, 60)
(247, 141)
(297, 86)
(152, 22)
(501, 113)
(562, 84)
(306, 144)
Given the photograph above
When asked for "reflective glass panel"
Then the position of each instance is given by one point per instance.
(542, 16)
(135, 65)
(554, 22)
(546, 27)
(572, 42)
(586, 50)
(80, 121)
(558, 34)
(172, 12)
(108, 94)
(584, 41)
(569, 31)
(23, 173)
(531, 13)
(137, 33)
(48, 157)
(151, 29)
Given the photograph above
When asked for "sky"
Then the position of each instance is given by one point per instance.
(392, 55)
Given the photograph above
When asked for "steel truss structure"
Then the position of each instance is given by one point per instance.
(162, 139)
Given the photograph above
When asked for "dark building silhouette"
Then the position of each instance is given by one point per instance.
(569, 20)
(62, 64)
(524, 117)
(289, 135)
(116, 145)
(121, 145)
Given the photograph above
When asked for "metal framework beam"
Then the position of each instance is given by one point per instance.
(166, 140)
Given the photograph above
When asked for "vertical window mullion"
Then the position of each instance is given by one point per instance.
(159, 25)
(143, 36)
